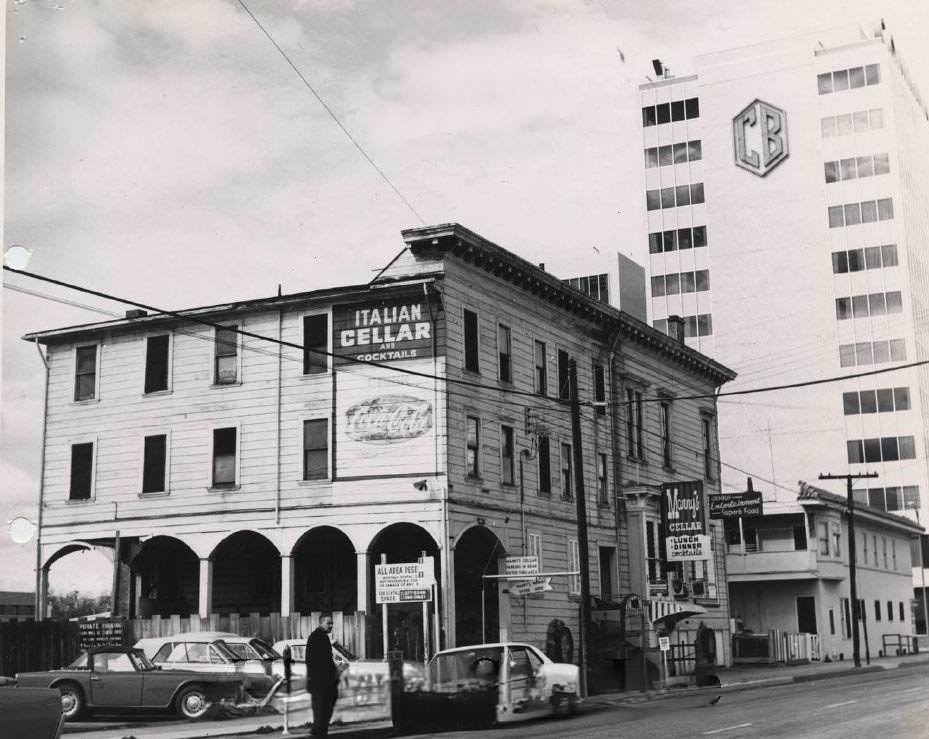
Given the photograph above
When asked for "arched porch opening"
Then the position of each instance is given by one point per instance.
(477, 600)
(325, 572)
(246, 575)
(166, 575)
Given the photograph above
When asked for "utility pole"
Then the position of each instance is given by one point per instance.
(580, 497)
(852, 565)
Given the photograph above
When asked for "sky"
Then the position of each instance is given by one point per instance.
(169, 153)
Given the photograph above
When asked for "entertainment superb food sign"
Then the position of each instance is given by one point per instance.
(682, 514)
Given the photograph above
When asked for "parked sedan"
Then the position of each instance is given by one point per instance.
(207, 651)
(31, 713)
(490, 683)
(117, 678)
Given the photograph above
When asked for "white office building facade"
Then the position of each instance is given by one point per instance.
(788, 224)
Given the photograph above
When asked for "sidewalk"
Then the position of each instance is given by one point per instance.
(748, 677)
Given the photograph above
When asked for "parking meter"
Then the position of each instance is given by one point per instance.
(288, 661)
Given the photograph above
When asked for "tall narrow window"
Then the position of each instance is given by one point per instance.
(82, 471)
(545, 466)
(224, 457)
(567, 467)
(603, 490)
(227, 355)
(574, 565)
(505, 352)
(599, 390)
(473, 447)
(315, 344)
(316, 449)
(708, 460)
(85, 374)
(471, 342)
(634, 423)
(564, 375)
(154, 464)
(507, 458)
(156, 363)
(534, 548)
(664, 410)
(541, 375)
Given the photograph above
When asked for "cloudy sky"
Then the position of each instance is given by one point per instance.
(166, 151)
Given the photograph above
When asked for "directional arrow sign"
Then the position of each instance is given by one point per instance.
(528, 587)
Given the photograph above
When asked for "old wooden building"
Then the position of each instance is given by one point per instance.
(263, 456)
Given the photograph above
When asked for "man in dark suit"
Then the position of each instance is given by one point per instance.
(322, 678)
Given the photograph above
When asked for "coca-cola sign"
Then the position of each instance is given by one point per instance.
(388, 419)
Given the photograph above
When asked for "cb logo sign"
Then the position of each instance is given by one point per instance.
(760, 136)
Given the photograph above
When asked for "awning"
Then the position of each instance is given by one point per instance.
(669, 612)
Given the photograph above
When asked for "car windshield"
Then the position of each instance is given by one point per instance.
(226, 651)
(298, 652)
(481, 664)
(266, 651)
(80, 663)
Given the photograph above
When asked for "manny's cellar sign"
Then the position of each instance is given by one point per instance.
(684, 521)
(382, 331)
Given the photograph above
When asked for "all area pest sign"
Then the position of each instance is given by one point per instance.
(684, 519)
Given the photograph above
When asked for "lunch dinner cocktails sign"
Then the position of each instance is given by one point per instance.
(684, 520)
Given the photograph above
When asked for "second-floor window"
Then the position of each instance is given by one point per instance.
(316, 449)
(824, 538)
(505, 353)
(567, 471)
(473, 447)
(507, 457)
(603, 490)
(154, 464)
(225, 448)
(545, 465)
(226, 370)
(156, 363)
(315, 344)
(541, 375)
(85, 373)
(634, 436)
(82, 471)
(574, 565)
(709, 460)
(471, 342)
(564, 375)
(599, 390)
(664, 417)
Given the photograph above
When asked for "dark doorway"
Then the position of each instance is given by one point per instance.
(806, 614)
(477, 601)
(401, 542)
(246, 575)
(325, 572)
(170, 575)
(607, 559)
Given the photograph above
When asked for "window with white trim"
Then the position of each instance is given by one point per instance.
(574, 565)
(85, 372)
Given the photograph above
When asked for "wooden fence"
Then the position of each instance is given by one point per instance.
(43, 645)
(37, 645)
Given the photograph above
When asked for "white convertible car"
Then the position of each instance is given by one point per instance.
(491, 683)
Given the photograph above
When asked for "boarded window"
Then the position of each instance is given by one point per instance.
(471, 343)
(564, 381)
(82, 469)
(224, 457)
(154, 464)
(315, 344)
(545, 467)
(156, 363)
(507, 459)
(505, 352)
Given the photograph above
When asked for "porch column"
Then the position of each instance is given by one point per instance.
(361, 592)
(42, 594)
(448, 591)
(206, 587)
(287, 585)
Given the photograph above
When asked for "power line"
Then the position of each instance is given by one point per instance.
(456, 381)
(331, 113)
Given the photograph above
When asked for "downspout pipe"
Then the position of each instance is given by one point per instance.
(41, 595)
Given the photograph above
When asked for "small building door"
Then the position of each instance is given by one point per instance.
(806, 614)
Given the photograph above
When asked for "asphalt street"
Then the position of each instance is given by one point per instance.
(892, 703)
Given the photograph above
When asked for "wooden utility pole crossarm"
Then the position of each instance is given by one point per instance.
(852, 565)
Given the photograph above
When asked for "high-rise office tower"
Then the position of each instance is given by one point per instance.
(788, 224)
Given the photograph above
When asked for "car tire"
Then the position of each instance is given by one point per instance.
(192, 702)
(73, 704)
